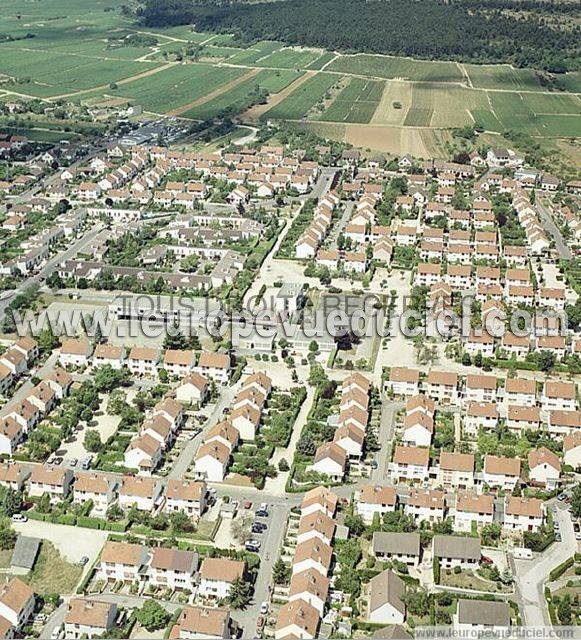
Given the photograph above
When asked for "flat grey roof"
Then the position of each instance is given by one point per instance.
(25, 552)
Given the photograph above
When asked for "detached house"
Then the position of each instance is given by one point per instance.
(544, 468)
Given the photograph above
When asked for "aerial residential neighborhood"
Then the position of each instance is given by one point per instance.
(263, 379)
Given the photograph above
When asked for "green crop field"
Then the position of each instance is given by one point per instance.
(240, 97)
(60, 73)
(177, 86)
(392, 67)
(290, 58)
(303, 98)
(321, 61)
(254, 53)
(502, 76)
(357, 102)
(76, 48)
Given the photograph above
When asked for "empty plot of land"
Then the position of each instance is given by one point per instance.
(393, 67)
(304, 98)
(394, 103)
(357, 102)
(502, 76)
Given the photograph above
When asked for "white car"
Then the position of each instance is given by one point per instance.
(55, 633)
(19, 517)
(264, 608)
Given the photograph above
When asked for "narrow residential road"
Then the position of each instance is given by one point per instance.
(271, 542)
(52, 264)
(531, 576)
(339, 226)
(385, 436)
(553, 230)
(186, 456)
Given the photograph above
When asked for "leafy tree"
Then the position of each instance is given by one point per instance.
(576, 501)
(7, 535)
(107, 378)
(306, 445)
(564, 610)
(181, 522)
(12, 502)
(152, 616)
(92, 441)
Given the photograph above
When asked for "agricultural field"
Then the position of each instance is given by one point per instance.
(178, 85)
(392, 67)
(357, 102)
(290, 58)
(502, 76)
(61, 73)
(242, 96)
(304, 98)
(76, 49)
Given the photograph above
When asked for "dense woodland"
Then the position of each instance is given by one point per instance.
(469, 30)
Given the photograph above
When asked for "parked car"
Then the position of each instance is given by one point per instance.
(264, 608)
(19, 517)
(260, 622)
(83, 561)
(56, 632)
(252, 545)
(247, 504)
(73, 462)
(262, 511)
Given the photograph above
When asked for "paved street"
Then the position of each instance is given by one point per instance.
(385, 437)
(532, 575)
(551, 228)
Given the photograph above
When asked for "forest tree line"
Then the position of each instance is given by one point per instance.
(465, 30)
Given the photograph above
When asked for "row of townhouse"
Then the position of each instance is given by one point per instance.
(332, 458)
(310, 240)
(458, 471)
(89, 270)
(213, 456)
(21, 418)
(156, 436)
(309, 587)
(527, 215)
(15, 360)
(446, 387)
(148, 361)
(173, 569)
(102, 490)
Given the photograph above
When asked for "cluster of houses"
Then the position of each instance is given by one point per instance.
(102, 490)
(156, 435)
(19, 419)
(150, 361)
(144, 176)
(333, 458)
(17, 603)
(485, 402)
(314, 235)
(214, 454)
(363, 231)
(15, 361)
(308, 592)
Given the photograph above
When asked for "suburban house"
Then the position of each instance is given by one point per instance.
(403, 547)
(55, 482)
(88, 618)
(187, 496)
(173, 569)
(523, 514)
(386, 593)
(374, 499)
(202, 623)
(544, 468)
(454, 551)
(217, 576)
(121, 561)
(481, 617)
